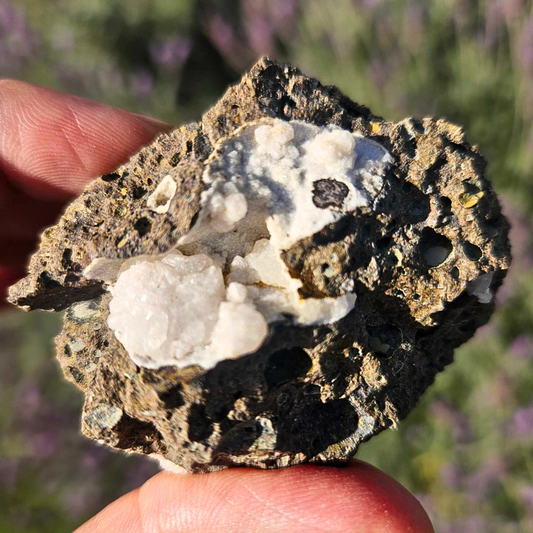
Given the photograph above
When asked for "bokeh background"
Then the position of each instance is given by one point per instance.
(467, 450)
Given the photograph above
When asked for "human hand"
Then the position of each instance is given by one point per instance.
(51, 145)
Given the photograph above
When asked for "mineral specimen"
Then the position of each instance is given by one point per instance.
(274, 285)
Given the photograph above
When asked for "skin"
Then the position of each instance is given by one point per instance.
(51, 145)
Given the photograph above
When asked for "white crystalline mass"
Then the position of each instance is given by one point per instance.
(241, 329)
(274, 292)
(264, 264)
(159, 200)
(173, 311)
(215, 297)
(275, 165)
(163, 310)
(226, 207)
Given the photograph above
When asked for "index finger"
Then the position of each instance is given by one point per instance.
(52, 144)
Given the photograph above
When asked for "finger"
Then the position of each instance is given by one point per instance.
(24, 217)
(358, 498)
(52, 144)
(14, 252)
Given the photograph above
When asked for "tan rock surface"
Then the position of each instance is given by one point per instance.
(309, 394)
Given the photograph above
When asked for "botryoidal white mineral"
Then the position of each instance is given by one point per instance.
(214, 296)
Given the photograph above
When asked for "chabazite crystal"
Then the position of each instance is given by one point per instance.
(274, 285)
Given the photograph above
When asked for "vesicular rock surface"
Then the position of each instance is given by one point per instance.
(274, 285)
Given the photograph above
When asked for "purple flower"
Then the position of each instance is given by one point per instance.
(415, 20)
(281, 15)
(468, 524)
(45, 443)
(11, 18)
(221, 34)
(475, 522)
(428, 503)
(498, 392)
(18, 43)
(459, 422)
(259, 30)
(82, 498)
(495, 19)
(282, 12)
(522, 347)
(461, 15)
(371, 4)
(170, 52)
(142, 83)
(526, 495)
(94, 456)
(452, 475)
(524, 51)
(512, 8)
(521, 425)
(28, 400)
(485, 331)
(521, 229)
(378, 72)
(481, 483)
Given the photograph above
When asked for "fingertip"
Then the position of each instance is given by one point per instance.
(299, 499)
(358, 497)
(389, 497)
(52, 144)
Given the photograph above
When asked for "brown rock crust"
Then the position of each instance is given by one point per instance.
(309, 394)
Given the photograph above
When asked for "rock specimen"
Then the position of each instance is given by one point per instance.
(273, 285)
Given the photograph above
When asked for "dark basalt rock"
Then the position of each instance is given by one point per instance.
(309, 394)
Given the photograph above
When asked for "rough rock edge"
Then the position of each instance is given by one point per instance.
(105, 207)
(341, 383)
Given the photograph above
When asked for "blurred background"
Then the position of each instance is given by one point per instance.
(467, 450)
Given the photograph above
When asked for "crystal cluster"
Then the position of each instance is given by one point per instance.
(176, 309)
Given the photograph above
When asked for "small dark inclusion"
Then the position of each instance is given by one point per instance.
(329, 194)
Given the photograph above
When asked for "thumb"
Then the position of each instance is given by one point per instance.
(301, 499)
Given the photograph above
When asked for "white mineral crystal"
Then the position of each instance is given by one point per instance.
(162, 311)
(214, 297)
(159, 200)
(275, 165)
(226, 207)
